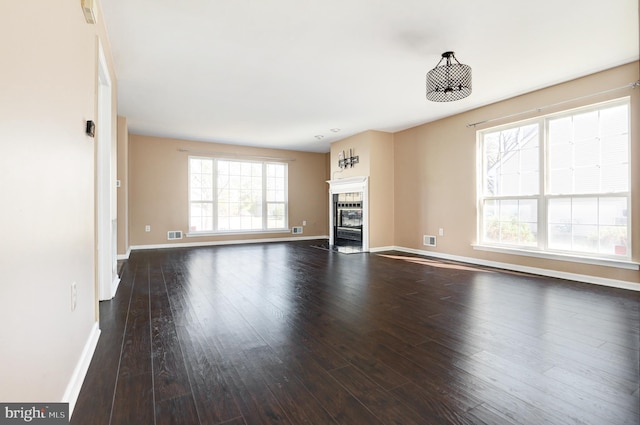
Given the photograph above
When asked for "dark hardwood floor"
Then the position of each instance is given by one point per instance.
(290, 334)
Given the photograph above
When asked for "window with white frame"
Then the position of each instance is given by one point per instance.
(560, 183)
(236, 196)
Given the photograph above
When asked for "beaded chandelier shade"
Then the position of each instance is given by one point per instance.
(448, 82)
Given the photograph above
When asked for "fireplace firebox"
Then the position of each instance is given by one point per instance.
(348, 218)
(349, 214)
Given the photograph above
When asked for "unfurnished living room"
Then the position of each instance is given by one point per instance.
(320, 212)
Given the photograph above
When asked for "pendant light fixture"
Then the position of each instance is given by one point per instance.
(448, 82)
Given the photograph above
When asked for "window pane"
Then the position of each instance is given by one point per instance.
(595, 156)
(615, 121)
(587, 153)
(586, 179)
(511, 161)
(613, 235)
(512, 222)
(235, 182)
(528, 211)
(530, 182)
(584, 238)
(490, 220)
(275, 214)
(560, 131)
(589, 225)
(561, 181)
(245, 169)
(615, 178)
(509, 184)
(223, 181)
(235, 168)
(585, 126)
(201, 216)
(201, 180)
(613, 211)
(559, 224)
(584, 211)
(615, 149)
(560, 156)
(529, 159)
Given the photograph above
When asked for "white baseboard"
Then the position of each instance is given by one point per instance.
(614, 283)
(229, 242)
(80, 372)
(124, 256)
(114, 286)
(382, 248)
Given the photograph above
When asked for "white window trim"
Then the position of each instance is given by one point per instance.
(624, 262)
(552, 255)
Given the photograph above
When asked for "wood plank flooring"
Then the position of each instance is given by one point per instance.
(285, 333)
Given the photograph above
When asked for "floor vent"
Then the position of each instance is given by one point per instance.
(297, 230)
(174, 234)
(428, 240)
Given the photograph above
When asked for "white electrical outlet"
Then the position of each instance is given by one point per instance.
(74, 296)
(441, 232)
(147, 228)
(304, 222)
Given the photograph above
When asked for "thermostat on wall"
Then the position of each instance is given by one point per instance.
(91, 128)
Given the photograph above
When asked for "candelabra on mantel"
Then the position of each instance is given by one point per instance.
(344, 161)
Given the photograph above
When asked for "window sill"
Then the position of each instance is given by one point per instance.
(237, 232)
(607, 262)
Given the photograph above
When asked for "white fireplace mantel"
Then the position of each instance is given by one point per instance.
(349, 185)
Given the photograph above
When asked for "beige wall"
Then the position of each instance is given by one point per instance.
(48, 83)
(158, 189)
(375, 151)
(360, 146)
(435, 173)
(123, 191)
(381, 190)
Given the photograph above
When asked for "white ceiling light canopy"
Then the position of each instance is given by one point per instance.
(448, 82)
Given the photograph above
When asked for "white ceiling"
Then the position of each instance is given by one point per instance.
(278, 73)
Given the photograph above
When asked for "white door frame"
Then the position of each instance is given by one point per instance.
(106, 245)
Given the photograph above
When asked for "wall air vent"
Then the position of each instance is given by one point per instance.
(174, 234)
(297, 230)
(428, 240)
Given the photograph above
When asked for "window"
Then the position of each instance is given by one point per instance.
(559, 183)
(230, 196)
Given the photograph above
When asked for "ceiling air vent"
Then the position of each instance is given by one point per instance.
(428, 240)
(174, 234)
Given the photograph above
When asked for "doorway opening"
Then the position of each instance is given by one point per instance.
(106, 223)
